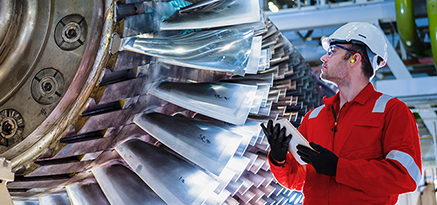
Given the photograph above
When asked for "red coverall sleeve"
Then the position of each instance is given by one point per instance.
(400, 170)
(291, 174)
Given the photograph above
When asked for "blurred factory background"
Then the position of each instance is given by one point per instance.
(159, 102)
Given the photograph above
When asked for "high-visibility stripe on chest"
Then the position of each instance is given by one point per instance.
(379, 106)
(316, 112)
(381, 103)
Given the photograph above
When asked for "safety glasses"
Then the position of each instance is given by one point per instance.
(332, 49)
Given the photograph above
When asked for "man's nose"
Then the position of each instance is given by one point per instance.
(324, 58)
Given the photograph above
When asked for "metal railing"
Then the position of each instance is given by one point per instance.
(276, 5)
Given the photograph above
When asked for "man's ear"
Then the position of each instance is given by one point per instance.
(355, 58)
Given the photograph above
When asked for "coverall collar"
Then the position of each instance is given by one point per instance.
(361, 98)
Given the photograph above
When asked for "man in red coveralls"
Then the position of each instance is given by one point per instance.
(365, 143)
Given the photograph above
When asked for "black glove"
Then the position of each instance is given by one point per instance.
(322, 159)
(277, 140)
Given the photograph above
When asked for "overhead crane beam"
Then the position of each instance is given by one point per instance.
(312, 17)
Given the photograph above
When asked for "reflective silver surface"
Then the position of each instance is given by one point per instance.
(238, 164)
(173, 179)
(224, 179)
(122, 186)
(247, 131)
(221, 50)
(257, 165)
(257, 180)
(208, 146)
(233, 187)
(225, 13)
(91, 84)
(21, 41)
(246, 197)
(27, 202)
(228, 102)
(256, 104)
(268, 176)
(56, 198)
(268, 190)
(52, 125)
(255, 55)
(86, 193)
(231, 201)
(245, 187)
(252, 158)
(258, 79)
(258, 193)
(218, 199)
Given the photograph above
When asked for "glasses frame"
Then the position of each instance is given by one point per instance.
(331, 50)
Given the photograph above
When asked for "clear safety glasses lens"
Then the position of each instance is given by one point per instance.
(332, 50)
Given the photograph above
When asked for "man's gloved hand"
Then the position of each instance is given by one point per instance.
(277, 140)
(322, 159)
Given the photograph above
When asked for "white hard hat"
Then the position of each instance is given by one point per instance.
(364, 33)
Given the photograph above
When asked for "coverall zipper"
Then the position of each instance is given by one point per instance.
(336, 117)
(334, 129)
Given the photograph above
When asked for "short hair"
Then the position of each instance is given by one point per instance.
(361, 49)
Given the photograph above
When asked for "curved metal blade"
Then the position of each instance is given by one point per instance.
(238, 164)
(57, 198)
(218, 198)
(225, 50)
(255, 55)
(228, 102)
(27, 202)
(249, 129)
(86, 193)
(117, 180)
(224, 179)
(226, 13)
(208, 146)
(175, 180)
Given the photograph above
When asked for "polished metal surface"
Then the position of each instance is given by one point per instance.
(208, 146)
(228, 102)
(225, 50)
(9, 17)
(86, 193)
(224, 179)
(223, 13)
(71, 70)
(233, 187)
(246, 197)
(31, 49)
(252, 158)
(73, 100)
(238, 164)
(217, 199)
(247, 131)
(26, 202)
(56, 198)
(255, 55)
(35, 142)
(176, 181)
(122, 186)
(21, 49)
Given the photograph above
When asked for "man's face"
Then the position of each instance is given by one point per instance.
(335, 67)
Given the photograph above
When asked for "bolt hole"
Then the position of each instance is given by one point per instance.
(47, 87)
(70, 33)
(7, 128)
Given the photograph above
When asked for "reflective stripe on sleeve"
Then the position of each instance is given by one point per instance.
(381, 103)
(316, 112)
(408, 162)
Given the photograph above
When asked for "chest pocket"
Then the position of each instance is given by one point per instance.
(364, 141)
